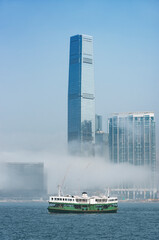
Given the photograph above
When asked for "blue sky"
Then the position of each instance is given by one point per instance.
(34, 50)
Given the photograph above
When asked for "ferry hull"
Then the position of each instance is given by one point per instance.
(53, 210)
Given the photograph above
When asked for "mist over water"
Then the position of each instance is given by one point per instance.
(77, 174)
(74, 173)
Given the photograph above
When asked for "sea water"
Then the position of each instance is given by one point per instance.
(32, 221)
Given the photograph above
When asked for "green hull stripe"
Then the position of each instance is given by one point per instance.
(90, 210)
(80, 211)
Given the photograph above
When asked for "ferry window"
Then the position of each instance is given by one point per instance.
(77, 206)
(52, 198)
(63, 199)
(57, 198)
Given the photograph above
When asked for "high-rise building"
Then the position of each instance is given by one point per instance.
(101, 139)
(81, 98)
(23, 180)
(98, 123)
(132, 138)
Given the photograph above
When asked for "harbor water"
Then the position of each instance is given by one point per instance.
(31, 221)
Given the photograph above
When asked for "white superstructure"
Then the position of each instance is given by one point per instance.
(83, 199)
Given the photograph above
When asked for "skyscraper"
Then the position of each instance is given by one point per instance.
(132, 138)
(98, 122)
(81, 99)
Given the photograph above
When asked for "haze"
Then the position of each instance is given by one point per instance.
(34, 50)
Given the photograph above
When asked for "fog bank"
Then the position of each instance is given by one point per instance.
(76, 174)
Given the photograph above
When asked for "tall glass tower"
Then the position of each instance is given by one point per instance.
(81, 99)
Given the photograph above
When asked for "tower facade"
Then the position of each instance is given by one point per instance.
(81, 99)
(98, 122)
(132, 138)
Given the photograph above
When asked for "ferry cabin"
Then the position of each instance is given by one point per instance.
(84, 204)
(74, 199)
